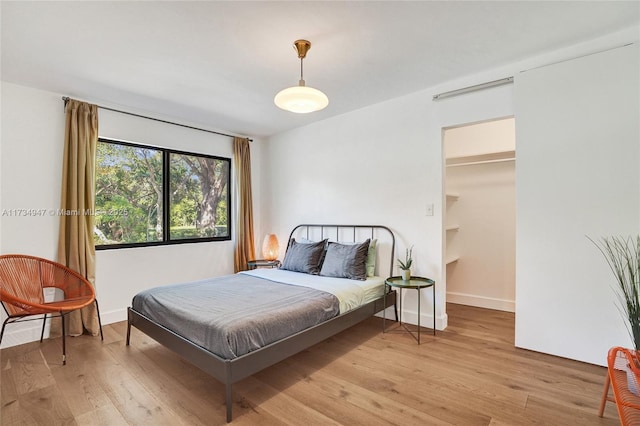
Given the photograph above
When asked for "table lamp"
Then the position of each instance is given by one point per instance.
(270, 247)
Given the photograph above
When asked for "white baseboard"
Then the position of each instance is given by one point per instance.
(18, 334)
(113, 316)
(426, 320)
(482, 301)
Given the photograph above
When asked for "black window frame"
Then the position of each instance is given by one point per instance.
(166, 199)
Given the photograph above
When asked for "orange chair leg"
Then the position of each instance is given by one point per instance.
(44, 322)
(605, 395)
(99, 320)
(64, 348)
(3, 326)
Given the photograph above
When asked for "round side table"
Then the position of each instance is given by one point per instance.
(263, 263)
(417, 283)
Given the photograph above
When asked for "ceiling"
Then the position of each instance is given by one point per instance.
(219, 64)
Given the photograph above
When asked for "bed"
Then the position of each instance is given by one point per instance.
(322, 289)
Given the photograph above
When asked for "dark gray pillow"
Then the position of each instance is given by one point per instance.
(303, 257)
(346, 261)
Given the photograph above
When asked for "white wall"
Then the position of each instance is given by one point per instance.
(372, 166)
(480, 138)
(31, 168)
(578, 138)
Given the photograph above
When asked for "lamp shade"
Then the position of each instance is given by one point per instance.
(301, 99)
(270, 247)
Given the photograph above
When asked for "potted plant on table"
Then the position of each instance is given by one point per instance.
(623, 256)
(405, 266)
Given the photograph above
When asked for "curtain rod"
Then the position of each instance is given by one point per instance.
(474, 88)
(66, 99)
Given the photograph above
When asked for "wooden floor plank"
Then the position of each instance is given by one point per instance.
(281, 405)
(171, 379)
(469, 374)
(47, 406)
(305, 388)
(401, 385)
(103, 416)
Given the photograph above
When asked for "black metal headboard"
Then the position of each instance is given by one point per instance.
(351, 233)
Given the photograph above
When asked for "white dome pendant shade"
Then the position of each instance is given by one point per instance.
(301, 99)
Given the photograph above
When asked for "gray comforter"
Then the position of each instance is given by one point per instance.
(235, 314)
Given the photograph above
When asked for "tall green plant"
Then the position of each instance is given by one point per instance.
(623, 256)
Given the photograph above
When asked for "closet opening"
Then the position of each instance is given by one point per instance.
(480, 213)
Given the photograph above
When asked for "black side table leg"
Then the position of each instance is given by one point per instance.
(384, 310)
(419, 315)
(395, 306)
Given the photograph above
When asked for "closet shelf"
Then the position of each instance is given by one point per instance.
(452, 259)
(493, 157)
(453, 228)
(452, 196)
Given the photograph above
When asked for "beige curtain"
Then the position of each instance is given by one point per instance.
(76, 247)
(244, 249)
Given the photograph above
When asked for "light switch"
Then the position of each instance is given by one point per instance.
(429, 209)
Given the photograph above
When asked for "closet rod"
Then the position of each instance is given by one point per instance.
(474, 88)
(66, 99)
(470, 163)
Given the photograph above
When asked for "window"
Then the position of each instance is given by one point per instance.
(150, 196)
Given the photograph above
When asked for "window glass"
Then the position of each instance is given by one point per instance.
(128, 194)
(140, 201)
(198, 204)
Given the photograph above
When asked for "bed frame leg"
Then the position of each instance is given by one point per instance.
(229, 402)
(395, 308)
(128, 327)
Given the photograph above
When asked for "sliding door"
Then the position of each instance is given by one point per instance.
(578, 138)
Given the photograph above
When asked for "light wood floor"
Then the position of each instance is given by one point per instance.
(470, 374)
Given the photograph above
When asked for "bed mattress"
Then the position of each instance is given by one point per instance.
(351, 293)
(236, 314)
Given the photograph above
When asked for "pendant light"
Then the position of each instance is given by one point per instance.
(301, 98)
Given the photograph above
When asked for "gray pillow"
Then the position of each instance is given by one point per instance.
(303, 257)
(346, 261)
(324, 251)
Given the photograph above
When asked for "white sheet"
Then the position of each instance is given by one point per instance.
(350, 293)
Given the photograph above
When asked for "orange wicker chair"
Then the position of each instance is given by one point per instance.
(22, 281)
(621, 360)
